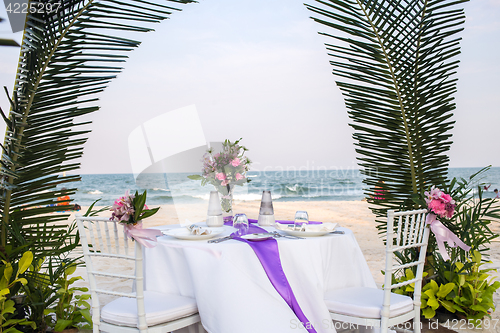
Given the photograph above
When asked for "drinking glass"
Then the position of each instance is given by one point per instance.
(240, 222)
(301, 220)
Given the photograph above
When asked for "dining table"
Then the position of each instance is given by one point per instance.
(233, 291)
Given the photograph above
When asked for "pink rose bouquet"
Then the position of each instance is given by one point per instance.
(131, 208)
(440, 203)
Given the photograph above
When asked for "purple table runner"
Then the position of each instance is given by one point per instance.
(277, 221)
(268, 254)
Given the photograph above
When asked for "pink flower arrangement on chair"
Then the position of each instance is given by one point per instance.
(440, 203)
(131, 208)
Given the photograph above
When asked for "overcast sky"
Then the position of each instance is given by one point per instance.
(257, 69)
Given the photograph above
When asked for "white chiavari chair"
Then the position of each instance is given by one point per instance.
(138, 310)
(371, 307)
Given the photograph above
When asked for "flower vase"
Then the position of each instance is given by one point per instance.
(226, 203)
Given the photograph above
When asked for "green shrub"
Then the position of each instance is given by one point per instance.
(8, 281)
(71, 310)
(468, 290)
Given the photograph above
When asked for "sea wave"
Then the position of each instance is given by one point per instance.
(201, 196)
(238, 196)
(95, 192)
(312, 196)
(247, 196)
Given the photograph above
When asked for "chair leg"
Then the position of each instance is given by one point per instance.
(417, 323)
(384, 325)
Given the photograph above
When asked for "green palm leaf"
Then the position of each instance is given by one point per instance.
(68, 56)
(395, 62)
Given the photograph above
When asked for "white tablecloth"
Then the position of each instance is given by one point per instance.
(233, 292)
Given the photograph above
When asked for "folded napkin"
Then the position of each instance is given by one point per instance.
(328, 227)
(196, 230)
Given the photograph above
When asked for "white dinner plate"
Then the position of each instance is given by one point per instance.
(298, 233)
(257, 237)
(183, 233)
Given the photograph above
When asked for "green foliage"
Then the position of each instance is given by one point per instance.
(471, 222)
(66, 60)
(459, 285)
(434, 296)
(408, 289)
(40, 290)
(139, 203)
(71, 309)
(468, 289)
(68, 56)
(8, 281)
(43, 277)
(474, 288)
(395, 63)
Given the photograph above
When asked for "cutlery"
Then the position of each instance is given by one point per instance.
(277, 234)
(339, 232)
(218, 240)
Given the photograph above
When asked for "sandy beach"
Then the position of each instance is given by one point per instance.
(354, 215)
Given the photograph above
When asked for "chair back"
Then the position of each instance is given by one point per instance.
(103, 240)
(405, 230)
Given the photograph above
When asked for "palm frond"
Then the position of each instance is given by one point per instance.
(68, 56)
(395, 62)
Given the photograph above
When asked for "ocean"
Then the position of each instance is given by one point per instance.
(291, 185)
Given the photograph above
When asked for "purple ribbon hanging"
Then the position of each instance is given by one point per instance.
(268, 254)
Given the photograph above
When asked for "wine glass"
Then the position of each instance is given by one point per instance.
(301, 220)
(240, 222)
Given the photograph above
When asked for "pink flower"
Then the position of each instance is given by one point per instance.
(238, 176)
(435, 193)
(450, 209)
(447, 198)
(220, 176)
(235, 162)
(122, 208)
(224, 182)
(438, 207)
(440, 203)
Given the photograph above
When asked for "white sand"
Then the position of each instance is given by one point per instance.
(354, 215)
